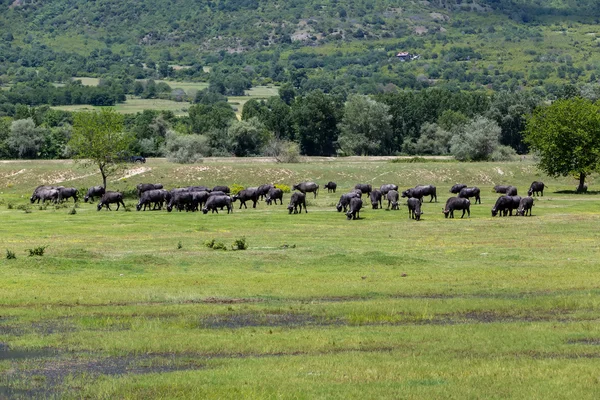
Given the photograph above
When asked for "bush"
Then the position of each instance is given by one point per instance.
(9, 206)
(284, 188)
(239, 244)
(73, 211)
(284, 151)
(24, 207)
(477, 141)
(212, 244)
(10, 255)
(179, 245)
(37, 251)
(186, 149)
(235, 188)
(504, 153)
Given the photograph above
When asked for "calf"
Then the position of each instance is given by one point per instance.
(414, 208)
(525, 206)
(263, 190)
(375, 198)
(392, 198)
(355, 206)
(364, 188)
(307, 187)
(273, 195)
(420, 191)
(109, 198)
(457, 188)
(505, 205)
(151, 198)
(465, 193)
(245, 195)
(384, 189)
(457, 203)
(94, 191)
(536, 188)
(345, 200)
(144, 187)
(331, 187)
(297, 200)
(215, 202)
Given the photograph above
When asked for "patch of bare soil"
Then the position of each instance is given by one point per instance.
(135, 171)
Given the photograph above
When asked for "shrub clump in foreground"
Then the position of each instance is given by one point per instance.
(37, 251)
(238, 244)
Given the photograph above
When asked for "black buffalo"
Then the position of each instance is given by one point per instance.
(420, 191)
(364, 188)
(345, 200)
(384, 189)
(536, 188)
(109, 198)
(152, 198)
(144, 187)
(505, 205)
(245, 195)
(355, 206)
(215, 202)
(224, 189)
(94, 191)
(375, 198)
(466, 193)
(501, 188)
(392, 198)
(331, 187)
(274, 195)
(263, 190)
(198, 189)
(457, 188)
(199, 198)
(414, 208)
(297, 201)
(46, 194)
(66, 193)
(307, 187)
(36, 195)
(182, 200)
(525, 206)
(457, 203)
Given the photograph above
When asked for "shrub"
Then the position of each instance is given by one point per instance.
(235, 188)
(284, 188)
(477, 141)
(210, 243)
(37, 251)
(10, 255)
(213, 244)
(9, 206)
(24, 207)
(179, 245)
(284, 151)
(186, 149)
(239, 244)
(72, 211)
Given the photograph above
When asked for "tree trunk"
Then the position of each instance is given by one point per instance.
(103, 176)
(581, 188)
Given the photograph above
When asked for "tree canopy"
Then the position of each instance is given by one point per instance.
(566, 136)
(98, 139)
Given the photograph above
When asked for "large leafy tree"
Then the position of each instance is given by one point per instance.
(566, 135)
(316, 118)
(98, 139)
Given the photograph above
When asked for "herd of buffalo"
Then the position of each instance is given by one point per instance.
(195, 198)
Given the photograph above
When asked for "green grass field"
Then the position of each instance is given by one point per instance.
(134, 305)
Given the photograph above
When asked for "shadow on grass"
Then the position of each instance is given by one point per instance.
(589, 192)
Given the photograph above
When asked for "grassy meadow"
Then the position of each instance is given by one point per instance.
(133, 304)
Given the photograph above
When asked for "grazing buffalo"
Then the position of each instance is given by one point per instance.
(536, 188)
(297, 201)
(245, 195)
(44, 195)
(364, 188)
(414, 208)
(457, 203)
(345, 200)
(152, 198)
(501, 188)
(274, 195)
(420, 191)
(384, 189)
(199, 198)
(511, 191)
(525, 206)
(94, 191)
(355, 206)
(65, 193)
(109, 198)
(505, 205)
(39, 190)
(457, 188)
(375, 198)
(306, 187)
(215, 202)
(392, 198)
(144, 187)
(198, 189)
(466, 193)
(182, 200)
(263, 190)
(224, 189)
(331, 187)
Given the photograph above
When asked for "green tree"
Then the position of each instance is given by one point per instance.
(248, 138)
(25, 138)
(316, 117)
(479, 141)
(365, 128)
(566, 136)
(98, 139)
